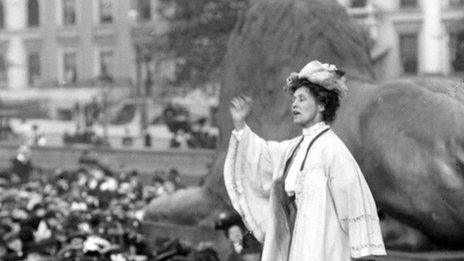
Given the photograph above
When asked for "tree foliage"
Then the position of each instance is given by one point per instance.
(197, 36)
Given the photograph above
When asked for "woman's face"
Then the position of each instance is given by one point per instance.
(305, 109)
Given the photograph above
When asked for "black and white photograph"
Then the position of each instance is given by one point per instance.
(231, 130)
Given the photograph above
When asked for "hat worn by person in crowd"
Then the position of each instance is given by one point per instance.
(324, 74)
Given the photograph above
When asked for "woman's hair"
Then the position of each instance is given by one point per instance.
(330, 99)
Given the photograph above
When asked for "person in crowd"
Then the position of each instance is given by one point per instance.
(127, 139)
(305, 198)
(174, 142)
(181, 137)
(6, 131)
(39, 139)
(35, 132)
(174, 177)
(25, 132)
(14, 249)
(147, 139)
(92, 112)
(244, 246)
(21, 165)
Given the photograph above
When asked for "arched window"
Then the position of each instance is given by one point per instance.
(358, 3)
(69, 67)
(144, 10)
(408, 52)
(408, 3)
(3, 72)
(457, 51)
(106, 62)
(33, 68)
(2, 16)
(106, 11)
(69, 12)
(32, 13)
(456, 3)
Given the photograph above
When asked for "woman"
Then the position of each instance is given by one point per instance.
(305, 198)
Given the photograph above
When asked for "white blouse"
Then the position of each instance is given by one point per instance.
(308, 135)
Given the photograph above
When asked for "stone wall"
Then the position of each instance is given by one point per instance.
(192, 164)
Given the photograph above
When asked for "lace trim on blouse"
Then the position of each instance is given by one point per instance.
(359, 218)
(357, 248)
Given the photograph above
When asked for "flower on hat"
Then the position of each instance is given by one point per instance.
(324, 74)
(292, 78)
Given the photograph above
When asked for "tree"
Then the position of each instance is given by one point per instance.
(197, 36)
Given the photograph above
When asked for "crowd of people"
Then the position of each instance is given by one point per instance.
(89, 213)
(186, 130)
(189, 133)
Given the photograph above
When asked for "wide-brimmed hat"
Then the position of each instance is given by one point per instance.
(324, 74)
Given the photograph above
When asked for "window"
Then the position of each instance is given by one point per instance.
(106, 11)
(408, 3)
(32, 13)
(69, 68)
(143, 8)
(358, 3)
(106, 63)
(456, 3)
(408, 52)
(33, 69)
(2, 16)
(457, 51)
(3, 72)
(69, 12)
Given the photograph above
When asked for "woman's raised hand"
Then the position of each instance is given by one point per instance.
(240, 108)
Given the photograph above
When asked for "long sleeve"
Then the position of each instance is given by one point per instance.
(249, 170)
(354, 204)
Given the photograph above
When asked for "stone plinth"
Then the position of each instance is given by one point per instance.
(191, 164)
(422, 256)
